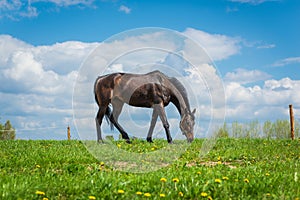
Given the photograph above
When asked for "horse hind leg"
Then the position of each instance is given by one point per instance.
(98, 120)
(117, 108)
(152, 125)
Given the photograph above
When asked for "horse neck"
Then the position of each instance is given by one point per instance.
(178, 100)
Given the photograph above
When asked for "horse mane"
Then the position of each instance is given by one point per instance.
(181, 89)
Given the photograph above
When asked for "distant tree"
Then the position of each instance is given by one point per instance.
(297, 129)
(268, 129)
(7, 132)
(237, 129)
(223, 131)
(253, 129)
(282, 128)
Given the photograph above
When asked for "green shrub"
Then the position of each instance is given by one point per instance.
(7, 132)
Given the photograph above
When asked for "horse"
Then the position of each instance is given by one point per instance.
(151, 90)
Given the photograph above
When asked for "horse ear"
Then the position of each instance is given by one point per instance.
(194, 111)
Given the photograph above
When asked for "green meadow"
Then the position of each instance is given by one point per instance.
(233, 169)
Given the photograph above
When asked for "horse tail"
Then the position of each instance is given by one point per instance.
(108, 115)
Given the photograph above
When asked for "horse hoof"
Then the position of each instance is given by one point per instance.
(128, 141)
(100, 142)
(149, 140)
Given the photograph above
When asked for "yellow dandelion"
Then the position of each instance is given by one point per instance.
(219, 162)
(180, 194)
(139, 193)
(118, 145)
(101, 163)
(121, 191)
(219, 158)
(163, 180)
(147, 194)
(209, 198)
(217, 180)
(39, 192)
(162, 195)
(92, 197)
(199, 173)
(152, 149)
(204, 194)
(225, 178)
(246, 180)
(175, 180)
(45, 198)
(267, 174)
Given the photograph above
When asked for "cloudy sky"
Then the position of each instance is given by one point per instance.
(253, 43)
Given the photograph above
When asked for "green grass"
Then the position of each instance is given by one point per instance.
(233, 169)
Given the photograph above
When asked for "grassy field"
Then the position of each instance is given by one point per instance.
(233, 169)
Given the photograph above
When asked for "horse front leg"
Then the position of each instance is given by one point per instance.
(163, 117)
(152, 125)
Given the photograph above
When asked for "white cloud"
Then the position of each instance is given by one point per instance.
(9, 45)
(16, 9)
(23, 66)
(67, 2)
(118, 67)
(254, 2)
(63, 57)
(219, 47)
(286, 61)
(244, 76)
(231, 9)
(267, 46)
(10, 5)
(43, 69)
(268, 102)
(125, 9)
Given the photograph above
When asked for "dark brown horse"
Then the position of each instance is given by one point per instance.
(152, 90)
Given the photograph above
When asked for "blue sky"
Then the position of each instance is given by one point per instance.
(254, 44)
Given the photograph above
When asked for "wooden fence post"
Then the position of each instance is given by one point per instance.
(69, 133)
(292, 122)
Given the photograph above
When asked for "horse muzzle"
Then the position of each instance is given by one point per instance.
(190, 139)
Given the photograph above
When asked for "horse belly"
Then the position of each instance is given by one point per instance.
(148, 95)
(141, 99)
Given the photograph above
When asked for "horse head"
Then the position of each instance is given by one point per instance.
(187, 124)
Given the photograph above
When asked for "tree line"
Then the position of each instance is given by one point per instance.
(278, 129)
